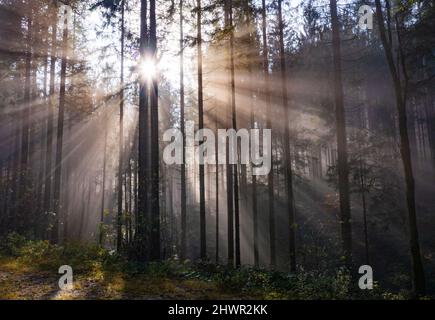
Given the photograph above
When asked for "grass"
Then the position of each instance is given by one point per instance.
(30, 271)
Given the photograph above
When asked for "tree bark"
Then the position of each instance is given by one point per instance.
(121, 134)
(60, 124)
(418, 277)
(270, 177)
(229, 167)
(183, 132)
(202, 218)
(143, 146)
(155, 184)
(343, 166)
(50, 118)
(287, 156)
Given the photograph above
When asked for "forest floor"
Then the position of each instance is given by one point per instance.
(21, 282)
(29, 271)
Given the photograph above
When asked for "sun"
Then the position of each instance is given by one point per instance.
(148, 69)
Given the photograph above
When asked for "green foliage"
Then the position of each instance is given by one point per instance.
(98, 264)
(11, 244)
(47, 257)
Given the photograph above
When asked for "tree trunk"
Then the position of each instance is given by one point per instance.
(202, 219)
(235, 171)
(287, 156)
(143, 165)
(20, 216)
(270, 177)
(418, 277)
(121, 134)
(229, 167)
(183, 132)
(50, 118)
(59, 147)
(343, 167)
(103, 188)
(252, 116)
(217, 189)
(155, 184)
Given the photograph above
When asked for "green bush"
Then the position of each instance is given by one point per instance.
(11, 244)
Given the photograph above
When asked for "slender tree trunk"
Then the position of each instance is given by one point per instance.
(202, 218)
(183, 132)
(130, 202)
(418, 277)
(103, 188)
(270, 177)
(143, 164)
(235, 171)
(364, 204)
(59, 147)
(287, 156)
(121, 134)
(155, 191)
(43, 135)
(217, 189)
(25, 131)
(229, 167)
(343, 166)
(50, 118)
(82, 213)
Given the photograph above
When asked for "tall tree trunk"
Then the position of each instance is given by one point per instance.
(103, 188)
(270, 177)
(143, 164)
(217, 188)
(343, 166)
(50, 118)
(229, 167)
(235, 171)
(82, 213)
(121, 134)
(130, 202)
(253, 125)
(364, 207)
(203, 240)
(183, 132)
(25, 129)
(287, 156)
(418, 277)
(43, 134)
(59, 147)
(155, 192)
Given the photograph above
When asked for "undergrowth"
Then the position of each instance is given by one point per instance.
(98, 264)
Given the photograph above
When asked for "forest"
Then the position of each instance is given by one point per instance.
(217, 149)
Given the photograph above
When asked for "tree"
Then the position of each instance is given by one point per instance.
(270, 177)
(183, 132)
(287, 156)
(155, 161)
(235, 170)
(59, 145)
(343, 166)
(143, 145)
(50, 118)
(418, 278)
(121, 132)
(202, 218)
(229, 167)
